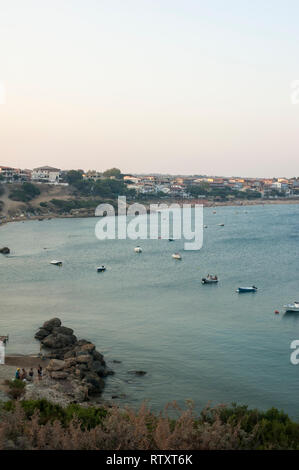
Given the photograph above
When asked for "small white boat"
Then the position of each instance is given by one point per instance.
(292, 307)
(243, 290)
(101, 269)
(209, 280)
(221, 225)
(176, 256)
(138, 249)
(56, 263)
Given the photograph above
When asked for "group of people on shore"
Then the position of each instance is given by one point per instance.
(21, 374)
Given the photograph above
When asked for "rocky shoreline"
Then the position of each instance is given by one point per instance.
(87, 213)
(75, 372)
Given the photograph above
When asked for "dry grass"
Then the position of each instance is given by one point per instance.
(124, 430)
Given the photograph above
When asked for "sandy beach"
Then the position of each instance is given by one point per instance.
(7, 370)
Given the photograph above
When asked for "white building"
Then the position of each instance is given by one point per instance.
(46, 174)
(9, 174)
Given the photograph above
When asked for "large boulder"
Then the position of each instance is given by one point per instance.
(74, 364)
(88, 348)
(69, 354)
(99, 369)
(70, 362)
(84, 359)
(5, 250)
(58, 341)
(41, 334)
(94, 383)
(81, 342)
(51, 324)
(59, 353)
(98, 357)
(56, 364)
(59, 375)
(63, 330)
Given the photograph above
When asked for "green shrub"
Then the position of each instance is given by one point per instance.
(49, 426)
(49, 412)
(16, 388)
(24, 193)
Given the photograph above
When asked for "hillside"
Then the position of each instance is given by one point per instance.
(37, 205)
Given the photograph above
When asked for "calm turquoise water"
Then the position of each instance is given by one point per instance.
(205, 343)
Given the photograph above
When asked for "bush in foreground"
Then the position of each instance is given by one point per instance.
(43, 425)
(16, 388)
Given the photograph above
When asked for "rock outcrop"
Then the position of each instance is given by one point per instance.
(76, 368)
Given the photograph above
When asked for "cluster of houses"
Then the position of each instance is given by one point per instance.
(43, 174)
(178, 186)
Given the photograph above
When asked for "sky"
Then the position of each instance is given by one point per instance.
(162, 86)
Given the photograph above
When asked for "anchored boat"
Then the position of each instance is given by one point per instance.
(209, 280)
(292, 307)
(176, 256)
(138, 249)
(56, 263)
(101, 269)
(242, 290)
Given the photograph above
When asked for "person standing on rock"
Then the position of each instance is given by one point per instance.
(40, 372)
(31, 374)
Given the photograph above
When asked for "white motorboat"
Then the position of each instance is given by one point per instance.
(138, 249)
(176, 256)
(56, 263)
(209, 280)
(242, 290)
(292, 307)
(101, 269)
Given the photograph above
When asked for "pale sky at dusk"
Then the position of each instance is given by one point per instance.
(169, 86)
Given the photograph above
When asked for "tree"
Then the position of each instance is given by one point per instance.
(30, 189)
(73, 177)
(24, 193)
(112, 172)
(198, 189)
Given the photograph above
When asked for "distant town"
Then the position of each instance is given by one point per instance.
(195, 186)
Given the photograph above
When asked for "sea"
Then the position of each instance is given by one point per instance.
(150, 312)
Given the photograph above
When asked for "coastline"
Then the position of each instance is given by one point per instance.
(72, 369)
(83, 214)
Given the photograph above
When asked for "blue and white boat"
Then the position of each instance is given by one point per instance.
(292, 307)
(101, 269)
(242, 290)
